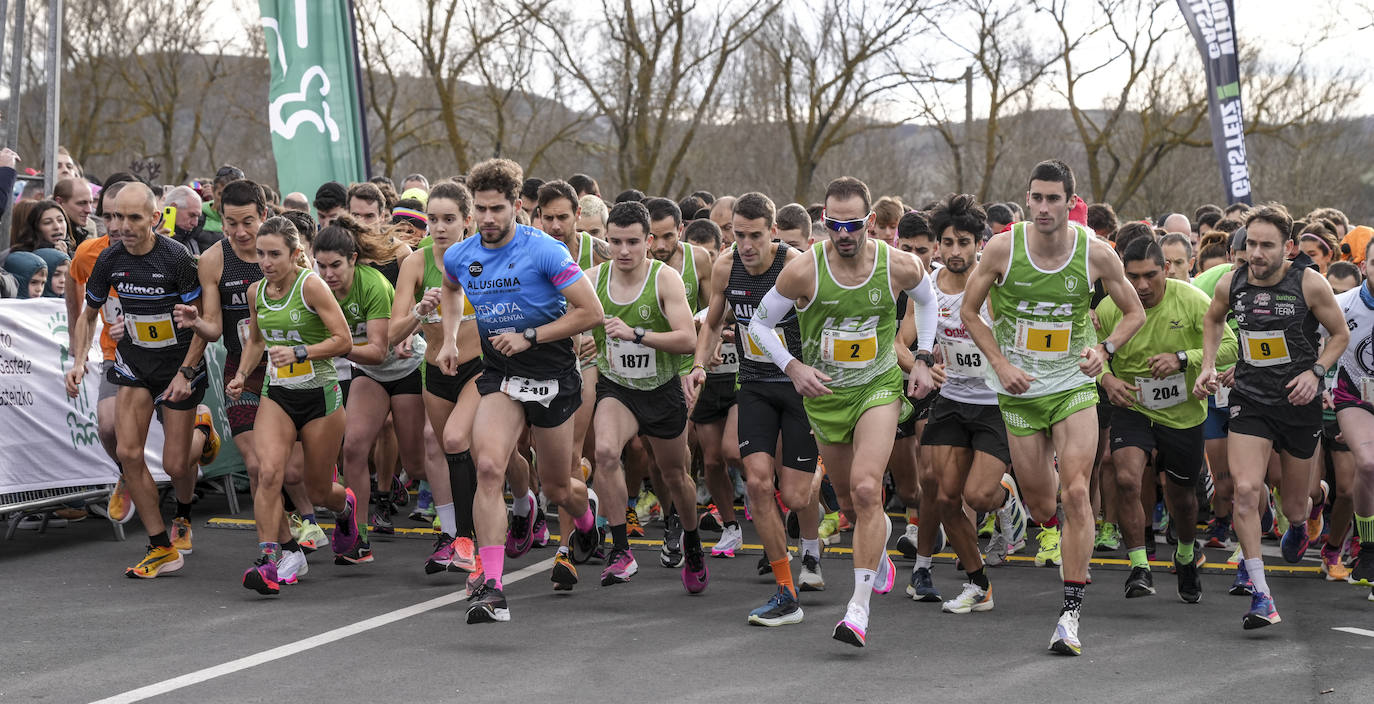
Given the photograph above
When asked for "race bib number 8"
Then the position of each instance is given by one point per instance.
(292, 374)
(1264, 348)
(1158, 394)
(151, 331)
(1045, 340)
(752, 351)
(526, 390)
(630, 360)
(849, 349)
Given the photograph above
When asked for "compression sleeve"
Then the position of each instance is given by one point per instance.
(927, 310)
(772, 309)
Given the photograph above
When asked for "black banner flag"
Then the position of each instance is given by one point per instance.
(1213, 25)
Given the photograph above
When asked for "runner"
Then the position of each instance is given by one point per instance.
(1148, 381)
(297, 322)
(1044, 354)
(530, 298)
(155, 366)
(639, 389)
(1353, 395)
(845, 293)
(768, 406)
(965, 436)
(1276, 398)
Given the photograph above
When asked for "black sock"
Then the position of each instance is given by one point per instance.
(691, 541)
(183, 511)
(828, 498)
(160, 540)
(1073, 595)
(619, 538)
(732, 524)
(291, 545)
(672, 510)
(462, 477)
(980, 577)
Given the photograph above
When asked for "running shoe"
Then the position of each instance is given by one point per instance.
(1012, 515)
(262, 577)
(887, 572)
(180, 534)
(210, 451)
(810, 578)
(380, 520)
(1189, 581)
(1140, 583)
(541, 530)
(632, 525)
(121, 507)
(988, 526)
(308, 533)
(1294, 542)
(1049, 553)
(1352, 551)
(647, 506)
(291, 566)
(1262, 612)
(1065, 639)
(360, 554)
(1242, 586)
(441, 555)
(793, 524)
(710, 519)
(155, 562)
(1362, 572)
(1272, 521)
(695, 574)
(972, 598)
(829, 531)
(400, 495)
(1331, 567)
(1218, 531)
(345, 537)
(922, 587)
(488, 604)
(464, 556)
(1199, 557)
(731, 539)
(780, 610)
(520, 535)
(1237, 556)
(475, 579)
(845, 525)
(906, 544)
(997, 550)
(1316, 523)
(564, 574)
(584, 543)
(670, 555)
(1108, 538)
(424, 505)
(852, 629)
(620, 567)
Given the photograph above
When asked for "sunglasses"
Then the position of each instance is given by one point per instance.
(850, 226)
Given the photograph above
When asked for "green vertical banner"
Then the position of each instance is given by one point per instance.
(314, 108)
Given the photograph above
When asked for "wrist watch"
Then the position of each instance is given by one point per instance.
(926, 357)
(1109, 348)
(301, 354)
(530, 335)
(1182, 358)
(1320, 371)
(639, 335)
(188, 372)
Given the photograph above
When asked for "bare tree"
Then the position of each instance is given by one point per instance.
(400, 118)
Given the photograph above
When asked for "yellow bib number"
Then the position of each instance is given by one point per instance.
(151, 331)
(849, 349)
(1046, 340)
(1264, 348)
(294, 373)
(752, 350)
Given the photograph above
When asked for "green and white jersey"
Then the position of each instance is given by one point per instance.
(1040, 317)
(369, 298)
(692, 284)
(290, 321)
(585, 260)
(847, 332)
(625, 362)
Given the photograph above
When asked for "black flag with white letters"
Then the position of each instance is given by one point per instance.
(1212, 23)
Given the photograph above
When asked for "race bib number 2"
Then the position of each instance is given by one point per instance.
(849, 349)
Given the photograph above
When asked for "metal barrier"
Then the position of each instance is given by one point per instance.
(24, 503)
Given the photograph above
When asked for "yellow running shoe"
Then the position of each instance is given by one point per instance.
(829, 532)
(212, 439)
(121, 506)
(632, 526)
(1050, 553)
(312, 537)
(180, 533)
(157, 561)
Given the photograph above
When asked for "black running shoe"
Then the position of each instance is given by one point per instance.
(1189, 583)
(488, 604)
(1140, 583)
(584, 544)
(670, 555)
(381, 519)
(793, 526)
(764, 566)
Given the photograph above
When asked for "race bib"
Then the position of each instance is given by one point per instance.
(111, 311)
(630, 360)
(1222, 397)
(1043, 340)
(469, 313)
(1159, 394)
(526, 390)
(753, 352)
(849, 350)
(1366, 388)
(729, 360)
(244, 328)
(150, 331)
(1264, 348)
(963, 358)
(293, 373)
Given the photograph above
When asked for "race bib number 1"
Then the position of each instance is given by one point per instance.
(291, 374)
(151, 331)
(1264, 348)
(849, 349)
(1045, 340)
(524, 390)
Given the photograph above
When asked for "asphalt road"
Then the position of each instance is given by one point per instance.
(76, 630)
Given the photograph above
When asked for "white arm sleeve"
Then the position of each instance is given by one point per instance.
(922, 296)
(772, 309)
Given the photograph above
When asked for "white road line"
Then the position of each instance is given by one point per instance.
(1356, 631)
(266, 656)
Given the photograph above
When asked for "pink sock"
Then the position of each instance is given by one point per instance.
(493, 562)
(586, 521)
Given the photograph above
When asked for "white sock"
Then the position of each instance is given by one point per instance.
(448, 521)
(1255, 566)
(524, 505)
(863, 588)
(924, 561)
(563, 550)
(811, 547)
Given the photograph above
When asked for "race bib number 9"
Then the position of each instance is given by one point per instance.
(849, 349)
(752, 351)
(151, 331)
(630, 360)
(1045, 340)
(1264, 348)
(530, 390)
(1159, 394)
(292, 374)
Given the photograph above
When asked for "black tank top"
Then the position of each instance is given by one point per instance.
(744, 292)
(234, 281)
(391, 270)
(1278, 333)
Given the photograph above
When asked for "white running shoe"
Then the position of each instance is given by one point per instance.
(996, 552)
(810, 578)
(906, 544)
(731, 539)
(972, 598)
(1065, 638)
(1011, 518)
(291, 566)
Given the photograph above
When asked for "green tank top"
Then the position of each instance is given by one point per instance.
(584, 252)
(1040, 317)
(631, 365)
(847, 332)
(290, 321)
(370, 298)
(693, 286)
(434, 278)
